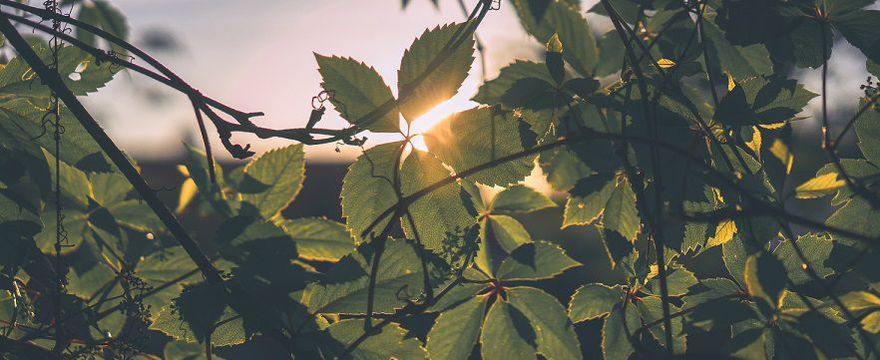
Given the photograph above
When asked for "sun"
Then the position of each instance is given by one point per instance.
(434, 117)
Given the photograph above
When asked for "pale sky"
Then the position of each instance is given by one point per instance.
(258, 56)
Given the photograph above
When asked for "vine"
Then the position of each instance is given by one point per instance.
(665, 169)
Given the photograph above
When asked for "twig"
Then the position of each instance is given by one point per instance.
(656, 228)
(54, 81)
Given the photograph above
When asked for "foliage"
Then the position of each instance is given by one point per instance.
(668, 137)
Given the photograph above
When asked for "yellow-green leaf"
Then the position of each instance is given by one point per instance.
(780, 150)
(723, 233)
(819, 186)
(860, 300)
(666, 63)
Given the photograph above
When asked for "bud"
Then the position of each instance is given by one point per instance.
(553, 58)
(554, 45)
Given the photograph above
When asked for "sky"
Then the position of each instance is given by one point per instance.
(261, 58)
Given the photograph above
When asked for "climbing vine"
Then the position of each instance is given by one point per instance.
(669, 137)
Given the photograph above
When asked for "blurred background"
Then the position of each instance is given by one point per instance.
(260, 58)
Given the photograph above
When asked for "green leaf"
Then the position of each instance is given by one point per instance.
(871, 323)
(16, 215)
(859, 28)
(841, 7)
(457, 330)
(478, 136)
(741, 61)
(273, 180)
(749, 344)
(263, 254)
(137, 216)
(611, 53)
(765, 277)
(21, 129)
(491, 92)
(833, 338)
(678, 281)
(109, 188)
(76, 224)
(390, 342)
(802, 44)
(431, 73)
(457, 295)
(367, 192)
(440, 215)
(857, 169)
(178, 350)
(358, 93)
(75, 184)
(873, 67)
(367, 189)
(819, 186)
(588, 201)
(860, 300)
(761, 100)
(651, 310)
(565, 19)
(621, 214)
(344, 288)
(319, 238)
(201, 310)
(506, 334)
(581, 87)
(611, 198)
(616, 344)
(593, 301)
(505, 231)
(857, 216)
(196, 167)
(535, 261)
(520, 199)
(160, 269)
(720, 312)
(554, 332)
(534, 94)
(563, 168)
(868, 132)
(77, 68)
(816, 249)
(710, 289)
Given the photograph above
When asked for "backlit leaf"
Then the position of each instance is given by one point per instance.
(819, 186)
(358, 93)
(520, 198)
(273, 180)
(319, 239)
(554, 332)
(431, 70)
(457, 330)
(478, 136)
(535, 261)
(391, 342)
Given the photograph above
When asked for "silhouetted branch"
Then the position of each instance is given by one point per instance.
(54, 81)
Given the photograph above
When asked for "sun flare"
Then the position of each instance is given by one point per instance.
(434, 116)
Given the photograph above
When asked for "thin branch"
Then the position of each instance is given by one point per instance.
(54, 81)
(303, 135)
(657, 222)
